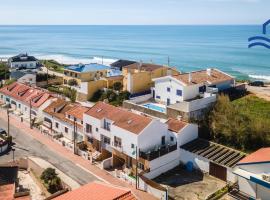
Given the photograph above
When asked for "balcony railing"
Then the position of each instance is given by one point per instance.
(158, 152)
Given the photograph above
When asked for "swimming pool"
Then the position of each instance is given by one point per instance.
(154, 107)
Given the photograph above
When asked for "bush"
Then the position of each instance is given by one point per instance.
(97, 96)
(8, 82)
(43, 77)
(117, 86)
(4, 71)
(82, 146)
(72, 82)
(51, 180)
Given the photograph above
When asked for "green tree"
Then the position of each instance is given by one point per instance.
(72, 82)
(117, 86)
(51, 180)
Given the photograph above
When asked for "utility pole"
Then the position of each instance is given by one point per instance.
(168, 60)
(30, 113)
(136, 168)
(8, 121)
(74, 135)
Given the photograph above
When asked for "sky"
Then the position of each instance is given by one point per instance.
(133, 12)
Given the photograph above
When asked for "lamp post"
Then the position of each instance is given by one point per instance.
(8, 121)
(136, 168)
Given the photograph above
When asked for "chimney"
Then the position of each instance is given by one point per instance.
(189, 77)
(208, 71)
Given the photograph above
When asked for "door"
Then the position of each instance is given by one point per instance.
(163, 140)
(154, 94)
(218, 171)
(168, 102)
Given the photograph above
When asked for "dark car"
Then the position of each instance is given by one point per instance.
(257, 83)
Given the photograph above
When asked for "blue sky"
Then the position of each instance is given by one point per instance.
(134, 11)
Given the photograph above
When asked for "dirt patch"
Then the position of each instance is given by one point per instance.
(261, 92)
(184, 185)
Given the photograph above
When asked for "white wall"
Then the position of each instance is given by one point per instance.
(198, 161)
(163, 164)
(28, 78)
(187, 134)
(263, 193)
(247, 186)
(30, 64)
(231, 177)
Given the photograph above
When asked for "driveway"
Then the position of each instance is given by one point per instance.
(184, 185)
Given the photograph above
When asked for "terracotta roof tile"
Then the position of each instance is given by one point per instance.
(122, 118)
(260, 156)
(175, 125)
(198, 77)
(25, 93)
(7, 191)
(77, 111)
(97, 191)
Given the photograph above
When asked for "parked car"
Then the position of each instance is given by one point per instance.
(257, 83)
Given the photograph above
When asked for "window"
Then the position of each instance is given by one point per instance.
(66, 130)
(19, 105)
(107, 125)
(177, 101)
(90, 139)
(25, 109)
(75, 119)
(76, 75)
(168, 89)
(132, 146)
(168, 102)
(117, 142)
(81, 122)
(158, 97)
(56, 125)
(69, 116)
(163, 140)
(202, 89)
(172, 139)
(96, 129)
(179, 92)
(106, 140)
(88, 128)
(141, 166)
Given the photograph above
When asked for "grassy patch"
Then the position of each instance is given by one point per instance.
(53, 65)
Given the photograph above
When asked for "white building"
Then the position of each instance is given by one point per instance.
(198, 88)
(253, 175)
(61, 117)
(23, 61)
(22, 98)
(129, 137)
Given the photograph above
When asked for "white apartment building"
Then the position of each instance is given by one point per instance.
(23, 61)
(130, 137)
(189, 86)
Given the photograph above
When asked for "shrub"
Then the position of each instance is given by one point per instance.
(72, 82)
(117, 86)
(82, 146)
(97, 95)
(51, 180)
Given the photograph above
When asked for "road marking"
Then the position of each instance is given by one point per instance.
(92, 173)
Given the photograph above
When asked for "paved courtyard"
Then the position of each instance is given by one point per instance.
(184, 185)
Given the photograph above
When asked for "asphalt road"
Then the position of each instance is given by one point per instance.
(25, 146)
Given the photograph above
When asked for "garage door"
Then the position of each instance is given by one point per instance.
(218, 171)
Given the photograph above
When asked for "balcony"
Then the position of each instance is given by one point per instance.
(158, 152)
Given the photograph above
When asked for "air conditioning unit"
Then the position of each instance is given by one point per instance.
(266, 177)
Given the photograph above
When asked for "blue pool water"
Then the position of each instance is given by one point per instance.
(154, 107)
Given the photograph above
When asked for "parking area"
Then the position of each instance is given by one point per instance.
(185, 185)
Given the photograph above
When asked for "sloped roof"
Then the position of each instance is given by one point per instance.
(144, 66)
(175, 125)
(97, 191)
(202, 76)
(22, 58)
(77, 111)
(25, 93)
(122, 63)
(260, 156)
(122, 118)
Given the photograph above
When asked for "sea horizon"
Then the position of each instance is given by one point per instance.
(189, 47)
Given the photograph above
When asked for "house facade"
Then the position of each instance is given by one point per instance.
(131, 138)
(253, 175)
(138, 76)
(27, 101)
(64, 118)
(23, 61)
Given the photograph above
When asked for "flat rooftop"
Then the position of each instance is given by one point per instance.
(81, 68)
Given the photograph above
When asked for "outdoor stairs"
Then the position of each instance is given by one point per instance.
(238, 195)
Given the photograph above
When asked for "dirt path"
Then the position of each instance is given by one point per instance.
(262, 92)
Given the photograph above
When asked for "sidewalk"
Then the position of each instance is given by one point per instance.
(84, 164)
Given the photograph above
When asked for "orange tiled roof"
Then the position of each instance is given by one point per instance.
(97, 191)
(122, 118)
(260, 156)
(25, 93)
(144, 66)
(198, 77)
(175, 125)
(77, 111)
(7, 191)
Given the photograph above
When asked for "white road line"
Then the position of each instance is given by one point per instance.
(92, 173)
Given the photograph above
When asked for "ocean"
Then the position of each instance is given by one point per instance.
(187, 47)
